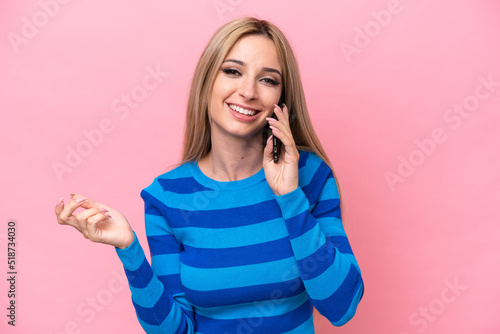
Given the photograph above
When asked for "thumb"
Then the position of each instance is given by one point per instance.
(87, 204)
(268, 150)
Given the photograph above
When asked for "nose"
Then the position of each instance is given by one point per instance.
(248, 89)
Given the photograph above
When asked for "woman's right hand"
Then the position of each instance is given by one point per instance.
(98, 223)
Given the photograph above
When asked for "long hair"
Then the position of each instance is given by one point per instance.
(197, 140)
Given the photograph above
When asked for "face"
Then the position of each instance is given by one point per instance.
(247, 86)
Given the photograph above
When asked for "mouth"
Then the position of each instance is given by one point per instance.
(242, 110)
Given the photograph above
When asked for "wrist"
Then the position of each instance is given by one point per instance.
(285, 190)
(127, 242)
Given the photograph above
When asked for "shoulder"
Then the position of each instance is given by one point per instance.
(179, 172)
(310, 162)
(168, 181)
(314, 174)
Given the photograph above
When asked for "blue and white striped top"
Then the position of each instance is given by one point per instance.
(232, 257)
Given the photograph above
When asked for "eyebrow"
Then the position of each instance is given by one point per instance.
(266, 69)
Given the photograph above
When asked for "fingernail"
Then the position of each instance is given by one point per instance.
(81, 200)
(275, 129)
(108, 215)
(270, 119)
(59, 202)
(103, 210)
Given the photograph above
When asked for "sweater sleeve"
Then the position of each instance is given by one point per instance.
(325, 261)
(160, 304)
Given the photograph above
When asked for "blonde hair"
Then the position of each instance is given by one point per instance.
(197, 140)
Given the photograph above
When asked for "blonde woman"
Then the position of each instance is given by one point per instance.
(239, 243)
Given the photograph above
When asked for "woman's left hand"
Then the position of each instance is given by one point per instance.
(283, 176)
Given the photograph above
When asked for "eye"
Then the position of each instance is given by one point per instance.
(271, 81)
(231, 71)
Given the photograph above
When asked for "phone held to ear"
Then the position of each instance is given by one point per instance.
(276, 148)
(276, 142)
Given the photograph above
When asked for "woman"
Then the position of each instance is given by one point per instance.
(239, 243)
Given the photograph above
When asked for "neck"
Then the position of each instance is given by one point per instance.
(232, 159)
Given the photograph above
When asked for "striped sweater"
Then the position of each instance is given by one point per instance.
(232, 257)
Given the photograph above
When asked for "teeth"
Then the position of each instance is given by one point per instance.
(242, 110)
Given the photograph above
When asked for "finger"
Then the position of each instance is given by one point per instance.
(89, 228)
(280, 129)
(279, 113)
(84, 215)
(58, 210)
(287, 140)
(67, 212)
(268, 149)
(87, 203)
(59, 207)
(284, 136)
(281, 126)
(282, 115)
(94, 233)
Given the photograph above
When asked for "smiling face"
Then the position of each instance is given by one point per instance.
(245, 89)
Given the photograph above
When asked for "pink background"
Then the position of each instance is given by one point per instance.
(383, 105)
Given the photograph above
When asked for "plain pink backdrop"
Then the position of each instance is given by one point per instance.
(384, 82)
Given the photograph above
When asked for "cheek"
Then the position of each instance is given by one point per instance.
(222, 88)
(271, 98)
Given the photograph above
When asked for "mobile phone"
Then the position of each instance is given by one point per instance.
(276, 149)
(276, 142)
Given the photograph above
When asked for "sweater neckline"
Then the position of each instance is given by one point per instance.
(225, 185)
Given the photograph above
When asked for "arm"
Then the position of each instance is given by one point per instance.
(161, 305)
(324, 257)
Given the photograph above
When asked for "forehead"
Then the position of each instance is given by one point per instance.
(258, 50)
